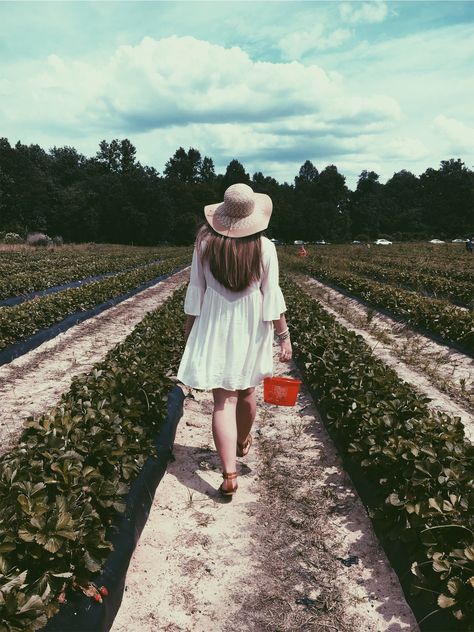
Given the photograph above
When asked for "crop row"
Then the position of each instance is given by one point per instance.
(67, 479)
(439, 317)
(26, 319)
(457, 265)
(25, 272)
(417, 463)
(457, 292)
(456, 286)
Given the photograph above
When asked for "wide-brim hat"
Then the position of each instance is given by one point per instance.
(242, 213)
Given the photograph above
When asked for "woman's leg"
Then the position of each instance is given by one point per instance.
(224, 429)
(246, 410)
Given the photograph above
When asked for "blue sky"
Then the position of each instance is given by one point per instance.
(371, 85)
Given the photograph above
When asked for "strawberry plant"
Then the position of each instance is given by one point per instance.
(438, 317)
(28, 271)
(417, 462)
(26, 319)
(67, 480)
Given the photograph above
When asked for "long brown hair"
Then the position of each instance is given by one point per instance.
(234, 262)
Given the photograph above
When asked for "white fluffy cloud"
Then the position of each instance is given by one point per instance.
(181, 91)
(458, 136)
(180, 81)
(363, 12)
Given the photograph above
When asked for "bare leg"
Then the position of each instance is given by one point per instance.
(224, 429)
(246, 410)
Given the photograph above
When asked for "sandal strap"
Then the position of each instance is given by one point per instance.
(229, 475)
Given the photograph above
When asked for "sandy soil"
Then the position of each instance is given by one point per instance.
(271, 559)
(435, 370)
(30, 384)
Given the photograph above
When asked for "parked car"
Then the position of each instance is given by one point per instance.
(356, 241)
(458, 241)
(382, 242)
(299, 242)
(321, 242)
(437, 241)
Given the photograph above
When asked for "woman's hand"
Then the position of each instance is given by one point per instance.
(286, 351)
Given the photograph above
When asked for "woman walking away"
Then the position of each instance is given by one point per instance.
(233, 302)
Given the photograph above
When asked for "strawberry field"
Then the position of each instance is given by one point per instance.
(23, 271)
(417, 466)
(66, 481)
(427, 288)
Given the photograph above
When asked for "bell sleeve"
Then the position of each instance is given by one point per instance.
(196, 287)
(273, 301)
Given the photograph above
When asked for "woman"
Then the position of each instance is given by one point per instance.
(232, 303)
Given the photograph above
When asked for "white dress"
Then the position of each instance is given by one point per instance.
(231, 342)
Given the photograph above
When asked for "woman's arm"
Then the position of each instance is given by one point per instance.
(281, 327)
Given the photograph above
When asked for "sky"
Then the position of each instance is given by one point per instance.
(373, 85)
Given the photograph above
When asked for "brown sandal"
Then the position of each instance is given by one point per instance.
(243, 448)
(229, 476)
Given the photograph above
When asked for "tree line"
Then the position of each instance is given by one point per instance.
(112, 198)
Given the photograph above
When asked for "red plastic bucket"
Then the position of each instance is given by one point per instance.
(281, 391)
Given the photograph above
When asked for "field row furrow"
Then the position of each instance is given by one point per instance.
(427, 284)
(21, 321)
(452, 324)
(25, 272)
(68, 477)
(417, 464)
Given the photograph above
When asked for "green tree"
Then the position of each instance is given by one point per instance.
(331, 206)
(185, 166)
(117, 156)
(234, 174)
(366, 205)
(207, 173)
(307, 176)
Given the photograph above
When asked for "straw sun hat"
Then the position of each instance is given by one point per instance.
(242, 213)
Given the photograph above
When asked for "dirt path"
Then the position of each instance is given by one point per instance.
(435, 370)
(271, 559)
(30, 384)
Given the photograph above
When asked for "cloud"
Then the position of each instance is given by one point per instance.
(460, 137)
(182, 91)
(181, 81)
(296, 44)
(365, 12)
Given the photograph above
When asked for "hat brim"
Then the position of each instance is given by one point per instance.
(254, 223)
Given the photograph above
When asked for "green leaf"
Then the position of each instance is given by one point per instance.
(6, 547)
(64, 520)
(469, 553)
(26, 535)
(415, 569)
(432, 502)
(33, 603)
(441, 565)
(53, 544)
(394, 500)
(454, 585)
(19, 580)
(90, 563)
(445, 602)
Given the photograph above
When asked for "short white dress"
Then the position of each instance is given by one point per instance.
(231, 342)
